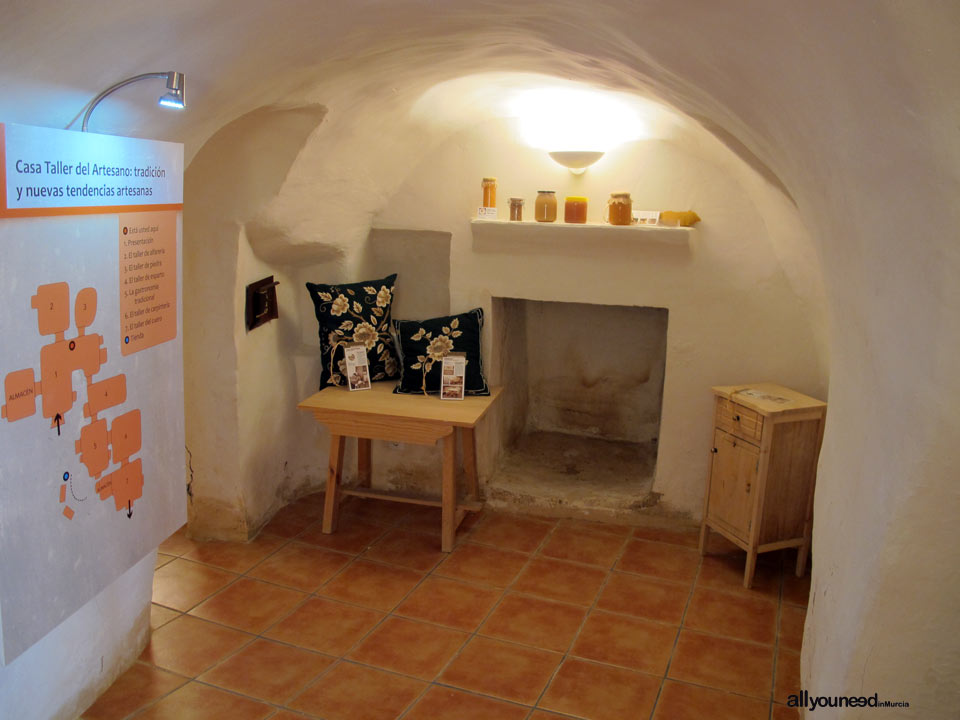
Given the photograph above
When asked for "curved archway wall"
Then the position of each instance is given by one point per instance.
(850, 106)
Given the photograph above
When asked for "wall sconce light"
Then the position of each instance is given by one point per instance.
(576, 161)
(576, 124)
(173, 98)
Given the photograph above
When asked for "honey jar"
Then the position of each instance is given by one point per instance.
(575, 209)
(489, 185)
(516, 209)
(620, 209)
(545, 208)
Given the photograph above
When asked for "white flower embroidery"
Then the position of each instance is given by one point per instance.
(439, 347)
(340, 305)
(365, 333)
(390, 366)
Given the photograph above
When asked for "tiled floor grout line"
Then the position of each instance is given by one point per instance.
(386, 615)
(225, 658)
(776, 643)
(429, 684)
(676, 639)
(261, 635)
(586, 616)
(493, 609)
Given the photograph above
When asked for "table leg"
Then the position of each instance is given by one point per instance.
(448, 493)
(469, 445)
(331, 503)
(363, 462)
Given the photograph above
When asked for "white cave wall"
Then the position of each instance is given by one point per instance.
(230, 458)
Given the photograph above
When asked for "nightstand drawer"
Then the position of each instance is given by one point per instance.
(739, 420)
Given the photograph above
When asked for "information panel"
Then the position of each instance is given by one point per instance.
(91, 417)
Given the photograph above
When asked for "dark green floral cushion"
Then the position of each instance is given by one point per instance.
(358, 312)
(424, 344)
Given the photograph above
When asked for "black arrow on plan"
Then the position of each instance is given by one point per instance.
(129, 510)
(57, 419)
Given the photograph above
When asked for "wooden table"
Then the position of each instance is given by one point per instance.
(378, 414)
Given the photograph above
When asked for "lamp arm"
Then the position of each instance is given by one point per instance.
(96, 101)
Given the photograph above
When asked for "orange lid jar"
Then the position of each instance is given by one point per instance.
(575, 209)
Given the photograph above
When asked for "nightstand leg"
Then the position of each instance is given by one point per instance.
(331, 503)
(704, 535)
(750, 569)
(802, 553)
(448, 493)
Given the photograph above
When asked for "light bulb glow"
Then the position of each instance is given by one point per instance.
(558, 119)
(171, 102)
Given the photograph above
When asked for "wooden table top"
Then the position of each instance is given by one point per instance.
(380, 401)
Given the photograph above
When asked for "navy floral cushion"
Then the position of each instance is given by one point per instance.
(423, 345)
(358, 312)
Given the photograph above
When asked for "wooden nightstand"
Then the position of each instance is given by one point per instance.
(766, 441)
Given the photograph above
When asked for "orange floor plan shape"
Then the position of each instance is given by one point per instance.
(97, 446)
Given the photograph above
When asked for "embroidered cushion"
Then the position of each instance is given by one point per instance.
(423, 345)
(358, 312)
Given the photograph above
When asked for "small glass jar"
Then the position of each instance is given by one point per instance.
(516, 209)
(545, 209)
(575, 209)
(620, 209)
(489, 185)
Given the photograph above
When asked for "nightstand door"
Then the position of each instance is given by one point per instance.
(733, 478)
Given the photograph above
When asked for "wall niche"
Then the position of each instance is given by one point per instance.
(585, 385)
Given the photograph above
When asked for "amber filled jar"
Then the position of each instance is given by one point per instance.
(575, 209)
(545, 208)
(620, 209)
(489, 186)
(516, 209)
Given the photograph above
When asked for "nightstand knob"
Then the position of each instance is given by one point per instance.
(736, 418)
(714, 450)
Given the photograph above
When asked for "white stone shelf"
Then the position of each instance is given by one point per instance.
(568, 234)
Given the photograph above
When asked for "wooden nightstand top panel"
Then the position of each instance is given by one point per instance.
(769, 399)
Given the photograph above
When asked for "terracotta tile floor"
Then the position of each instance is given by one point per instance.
(528, 619)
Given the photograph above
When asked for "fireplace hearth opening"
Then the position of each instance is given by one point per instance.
(584, 390)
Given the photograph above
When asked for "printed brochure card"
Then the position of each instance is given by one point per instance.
(454, 371)
(358, 369)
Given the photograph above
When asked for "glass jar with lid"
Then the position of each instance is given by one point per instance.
(489, 185)
(575, 209)
(516, 209)
(620, 209)
(545, 208)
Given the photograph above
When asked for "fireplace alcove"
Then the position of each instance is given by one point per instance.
(584, 390)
